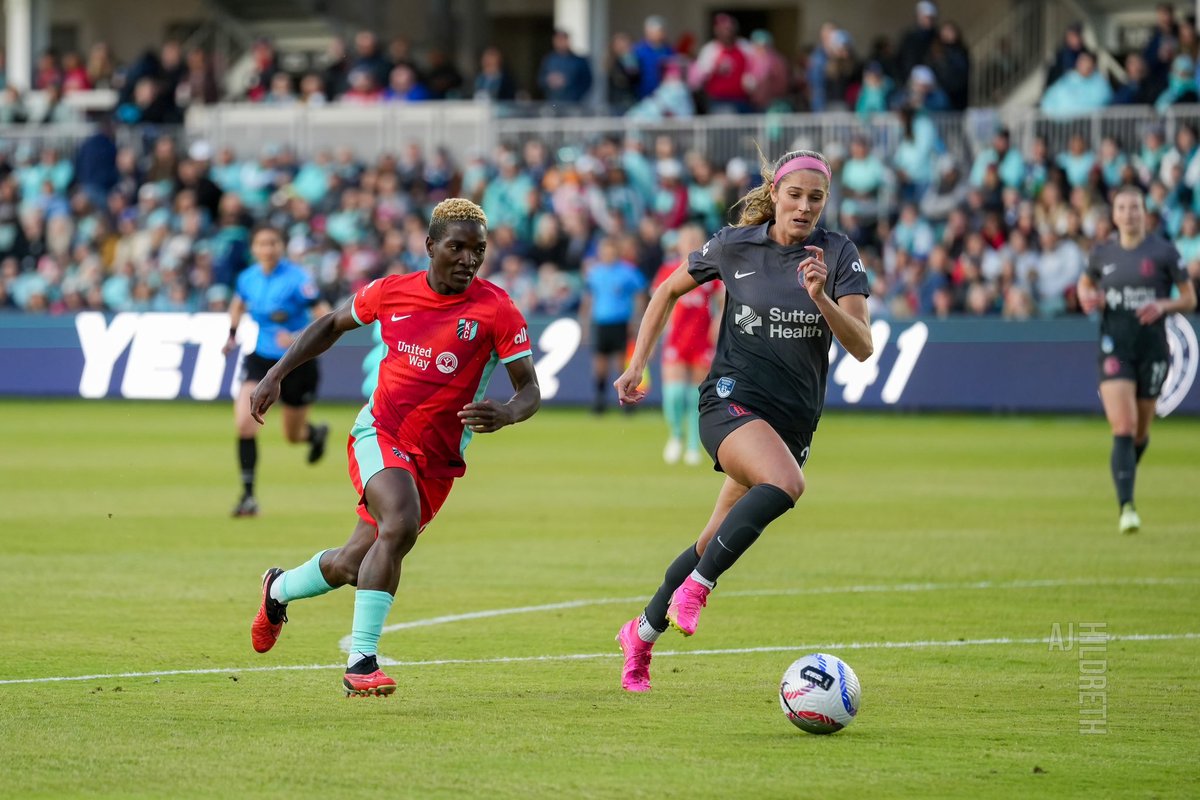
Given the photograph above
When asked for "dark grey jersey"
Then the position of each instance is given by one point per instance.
(773, 349)
(1128, 280)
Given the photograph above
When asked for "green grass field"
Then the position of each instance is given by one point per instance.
(935, 554)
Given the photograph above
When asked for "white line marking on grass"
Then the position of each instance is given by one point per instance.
(344, 644)
(826, 647)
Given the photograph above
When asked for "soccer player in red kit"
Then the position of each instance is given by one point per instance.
(687, 354)
(446, 331)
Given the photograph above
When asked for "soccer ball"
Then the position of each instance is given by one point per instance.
(819, 693)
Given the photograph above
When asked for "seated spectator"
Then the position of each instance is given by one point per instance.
(1058, 270)
(951, 64)
(912, 234)
(671, 98)
(1181, 85)
(1079, 91)
(1139, 87)
(1067, 53)
(944, 195)
(363, 89)
(74, 74)
(1180, 155)
(1077, 161)
(280, 93)
(863, 179)
(875, 93)
(623, 76)
(1009, 164)
(404, 86)
(923, 92)
(442, 79)
(1112, 162)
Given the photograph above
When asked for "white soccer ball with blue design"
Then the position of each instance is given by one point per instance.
(819, 693)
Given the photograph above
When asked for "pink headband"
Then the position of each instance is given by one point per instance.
(801, 162)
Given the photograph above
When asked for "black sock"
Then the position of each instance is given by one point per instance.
(601, 399)
(681, 567)
(248, 458)
(1140, 447)
(742, 527)
(1124, 468)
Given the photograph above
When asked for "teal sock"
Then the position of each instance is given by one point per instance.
(370, 610)
(691, 416)
(305, 580)
(673, 407)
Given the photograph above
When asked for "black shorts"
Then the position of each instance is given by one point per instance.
(1147, 371)
(611, 338)
(298, 389)
(719, 418)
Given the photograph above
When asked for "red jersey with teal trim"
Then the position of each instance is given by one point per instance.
(690, 327)
(441, 351)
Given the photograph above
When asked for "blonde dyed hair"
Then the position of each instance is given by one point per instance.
(454, 209)
(757, 205)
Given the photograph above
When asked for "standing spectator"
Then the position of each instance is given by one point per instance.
(876, 89)
(96, 164)
(624, 74)
(564, 76)
(199, 83)
(951, 65)
(722, 67)
(336, 74)
(923, 92)
(843, 73)
(368, 57)
(770, 74)
(75, 76)
(652, 54)
(818, 61)
(47, 72)
(1079, 91)
(494, 81)
(1164, 33)
(1067, 53)
(101, 68)
(914, 46)
(442, 79)
(262, 55)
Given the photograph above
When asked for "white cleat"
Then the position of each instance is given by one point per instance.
(692, 458)
(673, 451)
(1130, 521)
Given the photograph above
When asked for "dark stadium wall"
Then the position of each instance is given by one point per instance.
(973, 365)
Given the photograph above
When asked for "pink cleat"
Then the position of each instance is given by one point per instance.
(684, 611)
(635, 676)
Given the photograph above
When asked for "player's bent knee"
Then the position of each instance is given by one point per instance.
(792, 485)
(399, 531)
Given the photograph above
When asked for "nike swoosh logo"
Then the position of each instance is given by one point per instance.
(739, 275)
(398, 318)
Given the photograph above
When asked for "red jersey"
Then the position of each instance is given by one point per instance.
(690, 327)
(441, 351)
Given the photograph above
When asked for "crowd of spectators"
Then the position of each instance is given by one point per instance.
(653, 76)
(1005, 234)
(1003, 231)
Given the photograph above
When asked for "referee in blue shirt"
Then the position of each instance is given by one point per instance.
(282, 299)
(613, 299)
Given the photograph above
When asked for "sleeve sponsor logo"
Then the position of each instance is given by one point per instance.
(522, 337)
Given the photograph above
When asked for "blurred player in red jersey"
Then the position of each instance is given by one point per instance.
(445, 331)
(687, 354)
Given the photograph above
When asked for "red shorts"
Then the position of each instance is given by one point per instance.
(371, 450)
(688, 353)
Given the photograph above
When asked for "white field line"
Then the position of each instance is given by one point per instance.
(344, 644)
(805, 648)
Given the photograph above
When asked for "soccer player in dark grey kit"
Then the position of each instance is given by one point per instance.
(790, 286)
(1131, 277)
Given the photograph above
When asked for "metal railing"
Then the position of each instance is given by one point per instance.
(464, 128)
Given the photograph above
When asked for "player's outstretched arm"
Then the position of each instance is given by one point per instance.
(487, 416)
(315, 339)
(658, 311)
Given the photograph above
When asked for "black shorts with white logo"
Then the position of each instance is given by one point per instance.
(298, 389)
(721, 417)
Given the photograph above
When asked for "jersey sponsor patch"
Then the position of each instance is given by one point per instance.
(747, 319)
(725, 387)
(447, 362)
